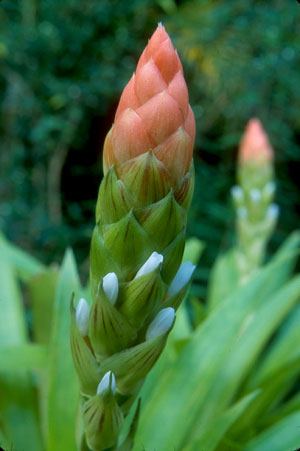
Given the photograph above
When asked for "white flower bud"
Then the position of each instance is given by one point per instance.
(242, 213)
(150, 265)
(161, 324)
(272, 212)
(255, 195)
(237, 193)
(82, 316)
(108, 382)
(269, 189)
(111, 287)
(182, 277)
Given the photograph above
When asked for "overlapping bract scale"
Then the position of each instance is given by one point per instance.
(154, 112)
(138, 242)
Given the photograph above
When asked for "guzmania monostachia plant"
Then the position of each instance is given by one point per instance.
(136, 276)
(253, 199)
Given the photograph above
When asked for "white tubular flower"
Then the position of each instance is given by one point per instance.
(82, 316)
(272, 212)
(182, 277)
(237, 193)
(150, 265)
(111, 287)
(269, 189)
(107, 382)
(242, 213)
(161, 324)
(255, 195)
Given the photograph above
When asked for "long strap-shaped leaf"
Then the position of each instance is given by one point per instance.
(24, 264)
(23, 357)
(62, 389)
(210, 368)
(18, 404)
(284, 435)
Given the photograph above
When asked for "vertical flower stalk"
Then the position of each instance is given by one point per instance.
(137, 280)
(256, 214)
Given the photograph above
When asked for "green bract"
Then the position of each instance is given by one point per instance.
(136, 251)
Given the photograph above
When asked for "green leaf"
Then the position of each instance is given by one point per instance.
(193, 250)
(18, 406)
(62, 388)
(287, 408)
(199, 311)
(284, 435)
(224, 277)
(254, 332)
(275, 376)
(131, 426)
(282, 351)
(182, 392)
(223, 280)
(42, 289)
(23, 356)
(12, 318)
(181, 332)
(25, 265)
(182, 328)
(210, 438)
(266, 407)
(284, 261)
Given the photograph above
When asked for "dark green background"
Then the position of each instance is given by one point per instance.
(63, 65)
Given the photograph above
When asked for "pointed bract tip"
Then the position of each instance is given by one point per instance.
(108, 382)
(111, 287)
(161, 324)
(159, 102)
(182, 277)
(82, 316)
(161, 31)
(150, 265)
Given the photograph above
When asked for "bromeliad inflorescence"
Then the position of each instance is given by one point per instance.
(137, 280)
(253, 199)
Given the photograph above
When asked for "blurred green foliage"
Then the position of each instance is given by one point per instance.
(62, 65)
(62, 68)
(241, 60)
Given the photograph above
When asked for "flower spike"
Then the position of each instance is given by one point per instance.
(256, 214)
(136, 277)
